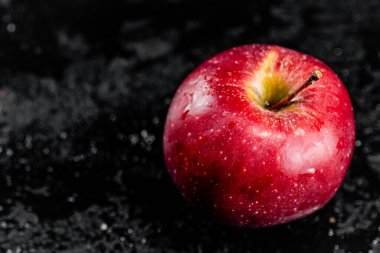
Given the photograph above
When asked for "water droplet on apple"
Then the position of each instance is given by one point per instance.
(310, 171)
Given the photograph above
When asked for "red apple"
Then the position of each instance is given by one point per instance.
(259, 135)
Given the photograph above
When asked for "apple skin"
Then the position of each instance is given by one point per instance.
(249, 166)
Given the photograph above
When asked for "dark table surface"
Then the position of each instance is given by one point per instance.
(84, 89)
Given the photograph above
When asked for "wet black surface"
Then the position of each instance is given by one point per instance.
(85, 86)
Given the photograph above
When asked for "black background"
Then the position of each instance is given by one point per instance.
(84, 89)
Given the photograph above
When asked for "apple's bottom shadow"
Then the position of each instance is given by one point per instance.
(182, 227)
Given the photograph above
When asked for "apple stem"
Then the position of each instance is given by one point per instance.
(314, 76)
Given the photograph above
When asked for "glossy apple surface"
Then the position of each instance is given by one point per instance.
(246, 164)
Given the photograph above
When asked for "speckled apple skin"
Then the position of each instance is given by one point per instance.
(249, 166)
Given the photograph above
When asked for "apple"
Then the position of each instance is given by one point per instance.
(259, 135)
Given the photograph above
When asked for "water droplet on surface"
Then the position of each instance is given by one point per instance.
(9, 152)
(345, 72)
(103, 226)
(112, 117)
(332, 220)
(338, 51)
(133, 139)
(63, 135)
(46, 151)
(3, 224)
(71, 199)
(11, 27)
(155, 120)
